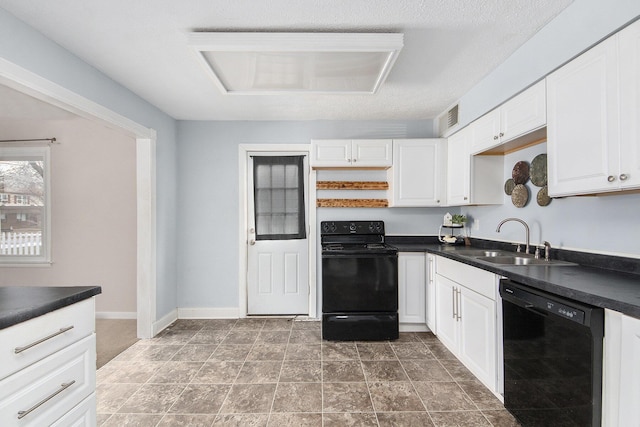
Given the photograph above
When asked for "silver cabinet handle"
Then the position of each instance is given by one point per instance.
(40, 341)
(453, 301)
(623, 177)
(459, 293)
(63, 387)
(611, 178)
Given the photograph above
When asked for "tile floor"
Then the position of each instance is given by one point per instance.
(279, 372)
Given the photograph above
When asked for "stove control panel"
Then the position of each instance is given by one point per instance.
(352, 227)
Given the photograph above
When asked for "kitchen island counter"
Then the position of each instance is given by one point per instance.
(21, 303)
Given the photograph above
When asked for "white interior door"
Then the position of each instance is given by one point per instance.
(278, 245)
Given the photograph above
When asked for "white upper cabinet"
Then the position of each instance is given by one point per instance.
(520, 115)
(351, 153)
(459, 168)
(418, 175)
(629, 172)
(593, 107)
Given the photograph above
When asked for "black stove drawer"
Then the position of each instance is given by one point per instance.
(360, 327)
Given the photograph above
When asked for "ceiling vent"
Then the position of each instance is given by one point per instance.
(288, 63)
(448, 121)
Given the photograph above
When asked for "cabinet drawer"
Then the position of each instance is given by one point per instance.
(83, 415)
(44, 392)
(80, 316)
(476, 279)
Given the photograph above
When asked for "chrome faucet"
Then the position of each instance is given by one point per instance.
(526, 227)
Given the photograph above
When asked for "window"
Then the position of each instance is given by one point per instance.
(279, 197)
(24, 205)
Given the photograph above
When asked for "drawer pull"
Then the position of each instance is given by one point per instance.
(63, 387)
(40, 341)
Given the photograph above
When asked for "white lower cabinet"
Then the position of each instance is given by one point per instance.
(411, 287)
(466, 317)
(48, 372)
(621, 370)
(431, 293)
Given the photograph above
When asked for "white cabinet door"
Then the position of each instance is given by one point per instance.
(446, 312)
(411, 287)
(334, 152)
(458, 168)
(478, 335)
(582, 123)
(629, 45)
(417, 173)
(371, 152)
(629, 410)
(485, 132)
(351, 153)
(523, 113)
(520, 115)
(431, 293)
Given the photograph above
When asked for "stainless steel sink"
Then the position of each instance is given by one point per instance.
(481, 252)
(522, 260)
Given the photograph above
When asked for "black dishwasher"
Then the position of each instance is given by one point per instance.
(552, 358)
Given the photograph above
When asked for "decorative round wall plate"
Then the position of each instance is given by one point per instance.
(538, 171)
(543, 196)
(508, 186)
(520, 196)
(520, 172)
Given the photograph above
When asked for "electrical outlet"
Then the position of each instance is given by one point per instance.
(476, 224)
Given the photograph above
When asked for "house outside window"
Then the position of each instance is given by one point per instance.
(25, 225)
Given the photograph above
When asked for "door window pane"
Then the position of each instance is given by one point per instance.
(278, 183)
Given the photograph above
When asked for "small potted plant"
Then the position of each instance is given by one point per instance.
(459, 219)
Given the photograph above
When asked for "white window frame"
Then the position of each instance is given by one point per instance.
(44, 259)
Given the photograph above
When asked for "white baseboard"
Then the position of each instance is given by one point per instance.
(209, 313)
(116, 315)
(413, 327)
(160, 324)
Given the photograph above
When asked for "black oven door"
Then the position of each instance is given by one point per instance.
(359, 283)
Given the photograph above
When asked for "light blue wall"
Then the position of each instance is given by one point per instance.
(605, 224)
(23, 46)
(209, 197)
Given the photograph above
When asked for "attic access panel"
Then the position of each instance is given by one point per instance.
(288, 63)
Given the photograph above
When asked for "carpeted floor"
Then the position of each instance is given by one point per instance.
(113, 336)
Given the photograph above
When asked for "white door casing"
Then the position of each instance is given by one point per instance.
(277, 270)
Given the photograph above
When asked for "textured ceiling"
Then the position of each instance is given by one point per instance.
(449, 46)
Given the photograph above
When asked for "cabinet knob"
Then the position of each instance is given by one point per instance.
(623, 177)
(611, 178)
(501, 134)
(354, 160)
(465, 197)
(495, 137)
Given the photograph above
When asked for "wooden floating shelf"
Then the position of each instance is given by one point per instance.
(352, 203)
(352, 185)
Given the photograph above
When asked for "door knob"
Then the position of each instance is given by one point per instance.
(252, 242)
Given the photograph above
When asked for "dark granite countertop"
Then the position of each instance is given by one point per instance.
(600, 280)
(20, 303)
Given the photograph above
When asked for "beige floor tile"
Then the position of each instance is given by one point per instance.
(201, 399)
(404, 419)
(376, 351)
(383, 370)
(241, 420)
(132, 420)
(298, 397)
(349, 420)
(152, 399)
(301, 371)
(231, 352)
(259, 372)
(346, 397)
(195, 352)
(459, 418)
(425, 370)
(342, 371)
(186, 420)
(249, 398)
(217, 372)
(176, 372)
(339, 351)
(303, 352)
(443, 396)
(395, 396)
(295, 420)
